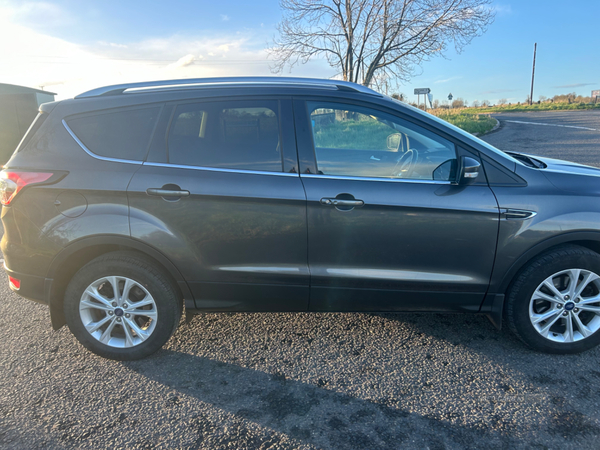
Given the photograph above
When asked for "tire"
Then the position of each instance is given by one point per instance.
(550, 320)
(127, 328)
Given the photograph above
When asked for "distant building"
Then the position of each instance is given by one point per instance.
(18, 107)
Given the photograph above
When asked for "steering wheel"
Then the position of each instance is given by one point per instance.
(405, 164)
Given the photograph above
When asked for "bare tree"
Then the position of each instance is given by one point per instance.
(366, 39)
(502, 101)
(458, 103)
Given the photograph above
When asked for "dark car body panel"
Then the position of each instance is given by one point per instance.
(388, 249)
(252, 241)
(234, 228)
(393, 242)
(560, 217)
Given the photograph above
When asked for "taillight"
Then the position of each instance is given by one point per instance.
(11, 182)
(14, 283)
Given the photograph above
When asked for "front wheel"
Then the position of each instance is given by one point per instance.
(554, 303)
(121, 306)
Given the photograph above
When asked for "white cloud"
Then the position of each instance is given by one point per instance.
(184, 61)
(224, 17)
(112, 44)
(575, 85)
(38, 14)
(34, 59)
(502, 9)
(446, 80)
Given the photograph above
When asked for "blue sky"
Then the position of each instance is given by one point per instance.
(68, 46)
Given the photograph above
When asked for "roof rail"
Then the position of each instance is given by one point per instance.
(191, 83)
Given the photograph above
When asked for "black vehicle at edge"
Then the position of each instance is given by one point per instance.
(126, 203)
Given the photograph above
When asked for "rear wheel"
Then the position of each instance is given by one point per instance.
(554, 303)
(121, 306)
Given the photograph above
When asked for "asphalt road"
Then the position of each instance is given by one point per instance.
(279, 381)
(570, 135)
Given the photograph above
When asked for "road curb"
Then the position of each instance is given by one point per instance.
(491, 131)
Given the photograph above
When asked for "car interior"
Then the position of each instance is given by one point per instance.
(391, 150)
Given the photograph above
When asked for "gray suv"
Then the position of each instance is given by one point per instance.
(127, 203)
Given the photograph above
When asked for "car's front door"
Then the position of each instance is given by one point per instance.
(220, 196)
(388, 230)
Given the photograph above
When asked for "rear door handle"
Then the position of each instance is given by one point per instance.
(167, 192)
(341, 202)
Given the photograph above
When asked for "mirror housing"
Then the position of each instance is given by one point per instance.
(469, 170)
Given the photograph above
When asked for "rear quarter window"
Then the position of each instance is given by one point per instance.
(123, 134)
(35, 126)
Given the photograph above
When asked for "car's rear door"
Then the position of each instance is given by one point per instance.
(220, 196)
(388, 229)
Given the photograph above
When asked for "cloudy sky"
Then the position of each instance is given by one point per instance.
(69, 46)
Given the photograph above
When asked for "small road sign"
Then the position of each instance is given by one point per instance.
(420, 91)
(596, 95)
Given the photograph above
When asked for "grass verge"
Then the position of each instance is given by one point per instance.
(468, 121)
(540, 107)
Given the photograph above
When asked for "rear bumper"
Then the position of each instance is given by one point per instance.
(32, 287)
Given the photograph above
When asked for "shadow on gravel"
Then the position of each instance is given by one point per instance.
(468, 330)
(374, 381)
(304, 412)
(555, 379)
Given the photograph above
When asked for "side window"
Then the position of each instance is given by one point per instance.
(231, 135)
(360, 142)
(123, 134)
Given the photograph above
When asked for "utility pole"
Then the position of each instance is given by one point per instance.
(533, 73)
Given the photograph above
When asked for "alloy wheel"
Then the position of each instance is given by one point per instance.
(118, 312)
(565, 307)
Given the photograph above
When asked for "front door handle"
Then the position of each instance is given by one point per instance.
(167, 192)
(341, 202)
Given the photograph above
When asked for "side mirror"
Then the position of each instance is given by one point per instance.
(469, 170)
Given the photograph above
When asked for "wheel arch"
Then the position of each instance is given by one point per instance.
(587, 239)
(493, 304)
(80, 252)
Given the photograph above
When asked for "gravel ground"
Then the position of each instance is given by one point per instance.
(305, 381)
(270, 381)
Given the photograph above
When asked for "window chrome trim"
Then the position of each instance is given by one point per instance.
(393, 180)
(93, 155)
(218, 169)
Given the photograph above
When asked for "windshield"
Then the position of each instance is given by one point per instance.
(458, 130)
